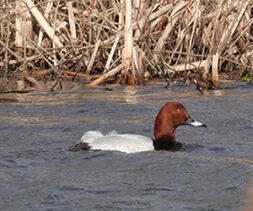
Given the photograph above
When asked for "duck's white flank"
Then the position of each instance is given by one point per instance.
(128, 143)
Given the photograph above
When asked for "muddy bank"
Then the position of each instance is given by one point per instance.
(22, 83)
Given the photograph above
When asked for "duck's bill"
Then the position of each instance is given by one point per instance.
(192, 122)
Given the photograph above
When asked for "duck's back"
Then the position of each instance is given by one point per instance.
(128, 143)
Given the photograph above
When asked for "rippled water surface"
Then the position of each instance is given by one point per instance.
(37, 173)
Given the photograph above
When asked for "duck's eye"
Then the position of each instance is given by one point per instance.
(179, 110)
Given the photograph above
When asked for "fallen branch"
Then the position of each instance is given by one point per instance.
(107, 75)
(79, 75)
(189, 66)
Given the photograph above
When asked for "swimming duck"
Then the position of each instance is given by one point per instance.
(170, 116)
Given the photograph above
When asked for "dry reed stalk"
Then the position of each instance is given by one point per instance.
(138, 55)
(171, 22)
(71, 21)
(139, 16)
(19, 25)
(215, 66)
(226, 37)
(128, 46)
(43, 23)
(195, 19)
(93, 57)
(109, 60)
(46, 14)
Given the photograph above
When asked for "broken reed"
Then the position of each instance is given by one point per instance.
(126, 38)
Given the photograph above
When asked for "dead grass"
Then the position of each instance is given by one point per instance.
(125, 40)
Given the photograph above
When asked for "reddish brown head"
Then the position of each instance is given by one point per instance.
(170, 116)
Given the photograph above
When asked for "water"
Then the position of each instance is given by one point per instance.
(37, 173)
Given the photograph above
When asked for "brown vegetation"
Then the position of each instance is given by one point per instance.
(127, 40)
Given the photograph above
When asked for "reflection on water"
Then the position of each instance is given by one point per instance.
(37, 173)
(130, 94)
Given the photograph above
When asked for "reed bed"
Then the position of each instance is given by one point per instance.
(126, 41)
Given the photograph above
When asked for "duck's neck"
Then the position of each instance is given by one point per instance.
(165, 134)
(167, 145)
(165, 140)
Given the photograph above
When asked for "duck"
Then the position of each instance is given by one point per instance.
(170, 116)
